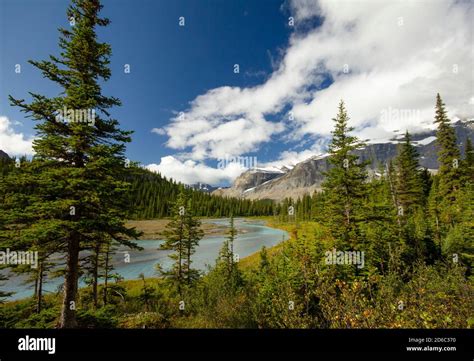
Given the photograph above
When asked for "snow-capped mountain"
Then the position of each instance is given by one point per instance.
(307, 176)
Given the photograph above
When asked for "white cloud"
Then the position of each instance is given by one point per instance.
(13, 143)
(189, 171)
(399, 55)
(292, 157)
(302, 9)
(159, 131)
(391, 66)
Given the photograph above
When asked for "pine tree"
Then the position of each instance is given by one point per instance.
(79, 161)
(448, 159)
(193, 234)
(345, 183)
(410, 198)
(381, 228)
(409, 184)
(175, 239)
(23, 226)
(468, 163)
(434, 211)
(146, 293)
(264, 261)
(226, 264)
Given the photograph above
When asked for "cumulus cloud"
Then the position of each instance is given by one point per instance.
(394, 61)
(190, 171)
(159, 131)
(13, 143)
(384, 58)
(302, 9)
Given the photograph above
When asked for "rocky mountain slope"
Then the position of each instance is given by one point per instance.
(3, 154)
(307, 176)
(203, 187)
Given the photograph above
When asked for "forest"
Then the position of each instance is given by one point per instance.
(415, 229)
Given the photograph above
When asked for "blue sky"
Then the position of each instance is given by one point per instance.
(189, 109)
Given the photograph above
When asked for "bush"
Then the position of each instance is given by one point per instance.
(144, 320)
(104, 317)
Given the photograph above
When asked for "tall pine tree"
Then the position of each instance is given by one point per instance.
(79, 160)
(449, 162)
(410, 198)
(345, 183)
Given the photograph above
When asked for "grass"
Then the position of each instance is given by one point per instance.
(153, 228)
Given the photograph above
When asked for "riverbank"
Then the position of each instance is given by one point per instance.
(253, 234)
(153, 228)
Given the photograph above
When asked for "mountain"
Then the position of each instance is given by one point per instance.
(307, 176)
(251, 179)
(3, 155)
(203, 187)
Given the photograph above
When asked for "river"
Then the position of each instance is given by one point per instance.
(252, 236)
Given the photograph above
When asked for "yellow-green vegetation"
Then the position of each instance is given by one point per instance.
(152, 229)
(287, 286)
(252, 261)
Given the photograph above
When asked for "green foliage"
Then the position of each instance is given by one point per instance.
(468, 164)
(345, 184)
(182, 235)
(154, 196)
(104, 317)
(73, 193)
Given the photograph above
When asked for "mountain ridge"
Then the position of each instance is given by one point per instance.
(307, 176)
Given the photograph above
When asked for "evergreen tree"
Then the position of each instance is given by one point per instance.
(193, 234)
(410, 195)
(79, 161)
(228, 262)
(146, 293)
(434, 210)
(264, 261)
(409, 184)
(381, 228)
(182, 235)
(469, 162)
(175, 239)
(449, 161)
(345, 183)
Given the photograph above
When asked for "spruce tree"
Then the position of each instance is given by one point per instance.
(79, 152)
(193, 234)
(448, 156)
(434, 211)
(345, 183)
(468, 163)
(175, 239)
(226, 264)
(409, 183)
(410, 198)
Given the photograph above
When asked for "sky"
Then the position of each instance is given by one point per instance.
(197, 119)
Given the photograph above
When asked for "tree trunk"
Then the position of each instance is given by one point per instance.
(68, 311)
(188, 269)
(106, 275)
(95, 275)
(39, 290)
(35, 293)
